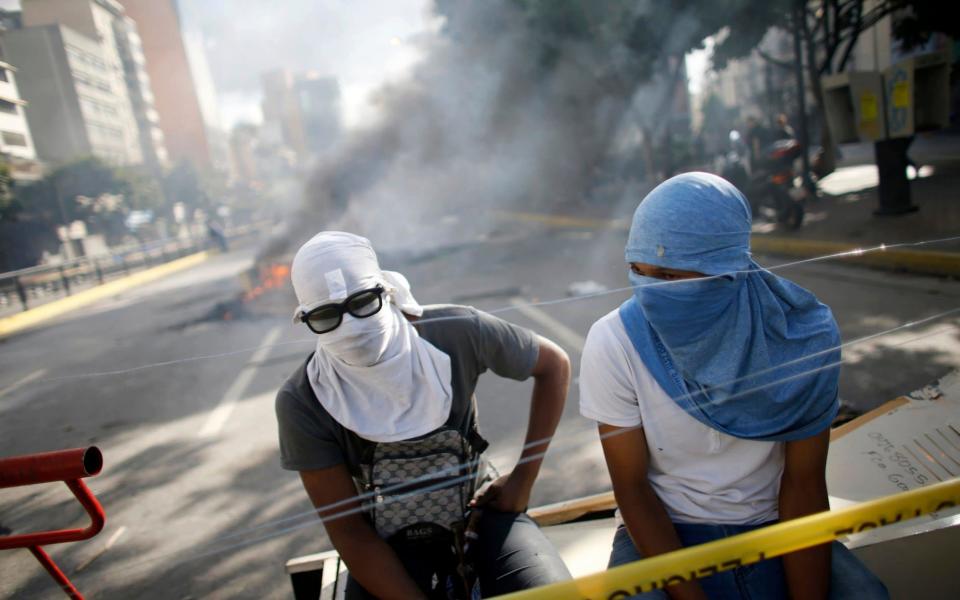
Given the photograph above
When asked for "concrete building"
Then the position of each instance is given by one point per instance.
(281, 109)
(319, 104)
(753, 86)
(152, 143)
(168, 65)
(244, 140)
(100, 21)
(72, 106)
(15, 138)
(303, 109)
(218, 139)
(876, 48)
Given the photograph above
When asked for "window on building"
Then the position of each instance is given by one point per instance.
(13, 139)
(8, 107)
(3, 75)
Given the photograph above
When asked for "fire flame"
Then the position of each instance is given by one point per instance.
(271, 277)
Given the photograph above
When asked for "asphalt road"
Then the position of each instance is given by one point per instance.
(197, 504)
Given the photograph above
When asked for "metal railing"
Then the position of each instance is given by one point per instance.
(34, 286)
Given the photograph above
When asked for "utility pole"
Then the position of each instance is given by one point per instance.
(802, 129)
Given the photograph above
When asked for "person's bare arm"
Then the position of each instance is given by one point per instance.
(551, 378)
(371, 561)
(803, 491)
(650, 528)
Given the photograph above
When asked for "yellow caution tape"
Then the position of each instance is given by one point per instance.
(704, 560)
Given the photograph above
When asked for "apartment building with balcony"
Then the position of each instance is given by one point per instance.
(16, 143)
(72, 107)
(152, 141)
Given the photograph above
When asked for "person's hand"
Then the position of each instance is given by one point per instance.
(507, 493)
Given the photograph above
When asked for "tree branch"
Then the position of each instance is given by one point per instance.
(855, 30)
(783, 64)
(881, 10)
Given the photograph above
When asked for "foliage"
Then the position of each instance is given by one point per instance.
(632, 39)
(184, 184)
(89, 190)
(141, 189)
(925, 18)
(832, 27)
(716, 116)
(829, 30)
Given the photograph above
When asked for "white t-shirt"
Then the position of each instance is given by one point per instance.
(700, 474)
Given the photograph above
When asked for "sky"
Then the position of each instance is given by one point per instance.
(361, 44)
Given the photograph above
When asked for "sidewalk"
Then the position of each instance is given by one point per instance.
(35, 316)
(842, 219)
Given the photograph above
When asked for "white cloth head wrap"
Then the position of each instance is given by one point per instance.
(375, 376)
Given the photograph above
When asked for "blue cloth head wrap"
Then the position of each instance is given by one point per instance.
(745, 352)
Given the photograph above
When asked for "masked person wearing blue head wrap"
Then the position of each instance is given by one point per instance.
(714, 387)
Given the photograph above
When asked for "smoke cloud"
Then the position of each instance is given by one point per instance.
(486, 122)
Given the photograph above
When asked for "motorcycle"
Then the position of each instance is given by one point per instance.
(773, 188)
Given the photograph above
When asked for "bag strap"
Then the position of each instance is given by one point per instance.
(477, 442)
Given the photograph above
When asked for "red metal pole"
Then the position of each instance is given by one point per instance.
(55, 572)
(67, 466)
(62, 465)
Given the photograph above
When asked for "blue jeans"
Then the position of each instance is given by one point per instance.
(512, 554)
(849, 578)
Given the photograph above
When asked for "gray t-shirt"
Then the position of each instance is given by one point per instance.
(475, 341)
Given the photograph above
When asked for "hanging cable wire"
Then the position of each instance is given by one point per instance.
(362, 506)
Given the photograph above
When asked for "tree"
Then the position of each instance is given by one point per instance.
(635, 41)
(184, 184)
(141, 189)
(634, 51)
(829, 30)
(91, 191)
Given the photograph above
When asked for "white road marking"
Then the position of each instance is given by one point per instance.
(22, 382)
(219, 415)
(566, 336)
(110, 542)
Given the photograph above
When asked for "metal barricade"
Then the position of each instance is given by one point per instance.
(70, 467)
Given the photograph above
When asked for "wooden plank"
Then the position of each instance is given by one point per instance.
(331, 577)
(561, 512)
(867, 417)
(309, 562)
(340, 589)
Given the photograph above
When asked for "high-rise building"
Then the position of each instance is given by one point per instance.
(281, 109)
(72, 108)
(304, 110)
(100, 21)
(243, 148)
(175, 93)
(141, 94)
(319, 103)
(217, 137)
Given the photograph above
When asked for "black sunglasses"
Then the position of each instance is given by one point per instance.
(328, 317)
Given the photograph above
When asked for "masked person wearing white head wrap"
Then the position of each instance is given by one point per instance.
(389, 373)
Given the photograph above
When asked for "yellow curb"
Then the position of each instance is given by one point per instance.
(930, 262)
(35, 316)
(569, 222)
